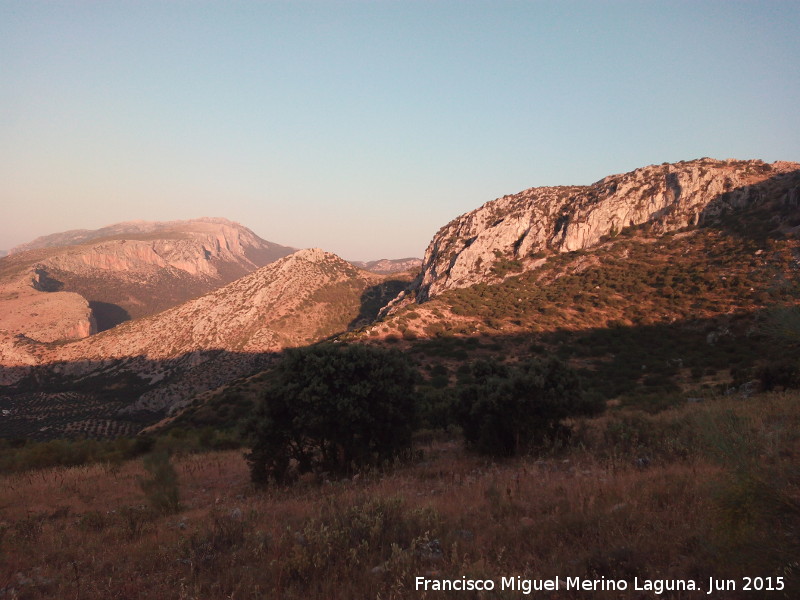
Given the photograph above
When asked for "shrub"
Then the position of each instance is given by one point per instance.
(24, 455)
(508, 410)
(756, 496)
(347, 536)
(161, 488)
(783, 324)
(435, 407)
(333, 408)
(440, 381)
(439, 369)
(780, 374)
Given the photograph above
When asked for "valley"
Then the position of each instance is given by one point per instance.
(696, 254)
(665, 299)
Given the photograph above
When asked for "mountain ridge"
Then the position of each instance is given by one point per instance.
(126, 270)
(389, 265)
(515, 232)
(586, 280)
(185, 350)
(137, 226)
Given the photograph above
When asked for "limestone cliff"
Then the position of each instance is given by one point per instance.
(199, 247)
(512, 233)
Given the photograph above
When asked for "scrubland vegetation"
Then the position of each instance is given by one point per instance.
(708, 489)
(691, 471)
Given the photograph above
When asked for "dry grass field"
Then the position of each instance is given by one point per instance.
(703, 490)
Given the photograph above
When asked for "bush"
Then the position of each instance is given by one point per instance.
(435, 407)
(24, 455)
(780, 374)
(161, 488)
(333, 408)
(508, 410)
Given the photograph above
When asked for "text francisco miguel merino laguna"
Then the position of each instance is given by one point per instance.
(658, 586)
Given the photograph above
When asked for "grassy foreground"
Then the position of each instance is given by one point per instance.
(703, 490)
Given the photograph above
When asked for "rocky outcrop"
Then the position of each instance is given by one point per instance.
(44, 315)
(512, 233)
(15, 357)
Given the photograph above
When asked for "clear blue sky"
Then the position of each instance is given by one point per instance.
(362, 127)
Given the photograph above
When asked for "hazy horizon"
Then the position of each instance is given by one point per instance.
(362, 128)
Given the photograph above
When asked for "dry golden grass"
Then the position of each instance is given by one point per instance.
(591, 510)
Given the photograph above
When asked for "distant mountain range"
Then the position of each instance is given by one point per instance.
(386, 266)
(686, 252)
(98, 279)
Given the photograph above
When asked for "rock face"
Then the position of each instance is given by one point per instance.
(45, 317)
(513, 232)
(210, 247)
(33, 306)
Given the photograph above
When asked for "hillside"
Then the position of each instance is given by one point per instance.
(685, 329)
(649, 317)
(693, 493)
(298, 299)
(123, 272)
(674, 308)
(136, 372)
(517, 232)
(651, 314)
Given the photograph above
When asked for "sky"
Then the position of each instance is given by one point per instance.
(361, 127)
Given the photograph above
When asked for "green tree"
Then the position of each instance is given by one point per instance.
(509, 409)
(332, 408)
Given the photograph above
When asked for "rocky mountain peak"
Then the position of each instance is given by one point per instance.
(199, 247)
(135, 229)
(513, 233)
(314, 255)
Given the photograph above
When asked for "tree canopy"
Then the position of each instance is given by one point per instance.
(333, 408)
(508, 409)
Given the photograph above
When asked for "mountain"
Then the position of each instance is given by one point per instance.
(137, 371)
(686, 304)
(656, 285)
(197, 228)
(386, 266)
(120, 272)
(668, 308)
(515, 233)
(298, 299)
